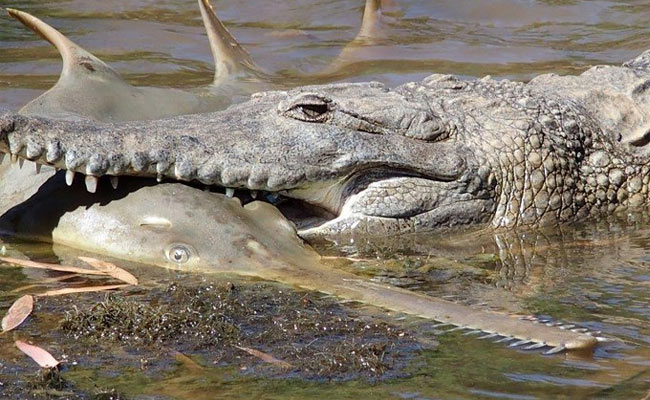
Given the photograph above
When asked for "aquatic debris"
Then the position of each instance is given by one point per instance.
(111, 269)
(180, 320)
(38, 354)
(51, 267)
(265, 357)
(316, 335)
(18, 313)
(100, 267)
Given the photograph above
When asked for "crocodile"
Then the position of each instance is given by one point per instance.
(360, 157)
(334, 154)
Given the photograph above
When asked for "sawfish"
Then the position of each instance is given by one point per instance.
(180, 227)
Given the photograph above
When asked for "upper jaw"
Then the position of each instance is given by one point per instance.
(247, 146)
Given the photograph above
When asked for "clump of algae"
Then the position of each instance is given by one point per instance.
(319, 337)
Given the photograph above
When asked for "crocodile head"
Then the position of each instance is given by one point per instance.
(358, 157)
(342, 157)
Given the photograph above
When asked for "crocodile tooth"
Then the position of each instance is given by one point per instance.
(14, 158)
(21, 162)
(91, 183)
(554, 350)
(159, 177)
(534, 346)
(2, 157)
(38, 168)
(254, 194)
(568, 326)
(505, 339)
(114, 181)
(69, 177)
(579, 330)
(440, 325)
(230, 192)
(474, 332)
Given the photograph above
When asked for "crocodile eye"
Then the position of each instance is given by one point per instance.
(313, 111)
(308, 107)
(179, 254)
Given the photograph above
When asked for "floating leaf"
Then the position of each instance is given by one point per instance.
(59, 292)
(18, 313)
(51, 267)
(39, 355)
(111, 269)
(265, 357)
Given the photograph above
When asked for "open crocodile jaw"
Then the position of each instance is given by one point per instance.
(365, 168)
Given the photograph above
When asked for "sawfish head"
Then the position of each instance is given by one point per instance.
(88, 88)
(169, 225)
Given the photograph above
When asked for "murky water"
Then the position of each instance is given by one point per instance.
(597, 274)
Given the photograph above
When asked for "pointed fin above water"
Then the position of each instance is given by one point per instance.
(370, 24)
(370, 31)
(229, 56)
(77, 62)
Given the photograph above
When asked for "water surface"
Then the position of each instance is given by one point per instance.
(596, 274)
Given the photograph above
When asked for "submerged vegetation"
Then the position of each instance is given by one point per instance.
(315, 335)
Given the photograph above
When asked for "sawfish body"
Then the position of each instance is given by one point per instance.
(88, 88)
(176, 226)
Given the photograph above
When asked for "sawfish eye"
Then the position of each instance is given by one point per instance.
(179, 254)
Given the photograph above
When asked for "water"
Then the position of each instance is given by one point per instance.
(597, 274)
